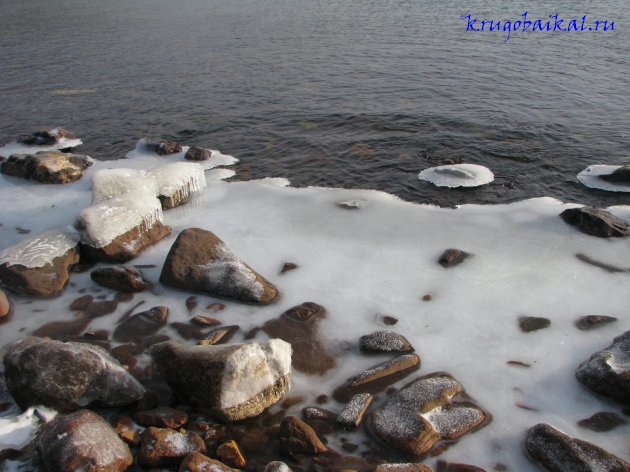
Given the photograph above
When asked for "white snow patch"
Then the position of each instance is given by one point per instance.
(17, 431)
(41, 249)
(108, 183)
(183, 178)
(458, 175)
(19, 148)
(590, 178)
(142, 154)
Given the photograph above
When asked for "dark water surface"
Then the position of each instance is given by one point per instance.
(352, 93)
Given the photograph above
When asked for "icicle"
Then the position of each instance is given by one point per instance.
(181, 178)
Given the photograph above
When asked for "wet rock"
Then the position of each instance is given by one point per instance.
(220, 335)
(352, 463)
(452, 257)
(200, 262)
(81, 303)
(66, 376)
(46, 137)
(163, 446)
(596, 222)
(49, 167)
(187, 331)
(621, 175)
(389, 320)
(96, 309)
(60, 330)
(443, 466)
(191, 303)
(559, 452)
(196, 153)
(384, 341)
(353, 412)
(377, 378)
(593, 321)
(603, 421)
(147, 402)
(277, 466)
(296, 437)
(142, 325)
(82, 442)
(123, 297)
(122, 278)
(97, 335)
(321, 420)
(4, 304)
(287, 266)
(254, 441)
(420, 414)
(607, 372)
(230, 454)
(232, 382)
(162, 417)
(131, 437)
(205, 321)
(299, 327)
(214, 307)
(126, 354)
(532, 323)
(404, 467)
(322, 399)
(162, 148)
(196, 462)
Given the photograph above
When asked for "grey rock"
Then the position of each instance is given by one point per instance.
(596, 222)
(384, 341)
(196, 153)
(122, 278)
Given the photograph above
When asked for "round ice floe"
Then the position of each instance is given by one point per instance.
(458, 175)
(590, 178)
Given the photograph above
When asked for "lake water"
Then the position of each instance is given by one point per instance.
(355, 94)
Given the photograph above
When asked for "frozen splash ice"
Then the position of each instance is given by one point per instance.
(108, 183)
(41, 249)
(458, 175)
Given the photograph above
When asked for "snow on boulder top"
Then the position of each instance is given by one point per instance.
(591, 178)
(41, 249)
(457, 175)
(108, 183)
(183, 178)
(100, 224)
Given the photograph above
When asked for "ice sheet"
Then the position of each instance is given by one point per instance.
(589, 177)
(143, 156)
(19, 148)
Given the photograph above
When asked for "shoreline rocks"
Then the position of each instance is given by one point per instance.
(596, 222)
(47, 167)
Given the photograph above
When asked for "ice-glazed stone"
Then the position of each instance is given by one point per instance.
(40, 265)
(109, 183)
(299, 327)
(559, 452)
(122, 278)
(47, 167)
(141, 325)
(416, 417)
(603, 177)
(232, 382)
(82, 442)
(66, 376)
(196, 153)
(458, 175)
(197, 462)
(607, 372)
(596, 222)
(296, 437)
(200, 262)
(384, 341)
(177, 182)
(164, 446)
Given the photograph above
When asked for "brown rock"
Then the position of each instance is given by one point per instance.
(97, 335)
(298, 327)
(292, 401)
(596, 222)
(384, 341)
(163, 446)
(200, 262)
(352, 463)
(4, 304)
(46, 137)
(321, 420)
(162, 148)
(131, 437)
(196, 153)
(142, 325)
(81, 303)
(187, 331)
(254, 441)
(532, 323)
(122, 278)
(49, 167)
(126, 353)
(288, 266)
(296, 437)
(147, 402)
(603, 421)
(163, 417)
(191, 303)
(205, 321)
(122, 424)
(196, 462)
(229, 454)
(214, 307)
(443, 466)
(220, 335)
(123, 297)
(96, 309)
(63, 445)
(389, 320)
(404, 467)
(353, 412)
(593, 322)
(60, 330)
(452, 257)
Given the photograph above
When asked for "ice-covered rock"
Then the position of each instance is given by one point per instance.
(177, 182)
(48, 140)
(141, 325)
(200, 262)
(596, 222)
(458, 175)
(39, 265)
(164, 446)
(122, 278)
(559, 452)
(607, 372)
(384, 341)
(416, 417)
(299, 327)
(353, 412)
(296, 437)
(603, 177)
(66, 376)
(108, 183)
(47, 167)
(232, 381)
(82, 442)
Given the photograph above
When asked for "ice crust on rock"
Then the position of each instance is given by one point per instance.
(41, 249)
(108, 183)
(457, 175)
(216, 159)
(19, 148)
(181, 178)
(590, 178)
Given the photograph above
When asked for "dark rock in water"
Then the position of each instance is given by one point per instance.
(533, 323)
(596, 222)
(389, 320)
(296, 437)
(81, 303)
(162, 148)
(163, 446)
(142, 325)
(254, 441)
(82, 441)
(191, 303)
(321, 420)
(205, 321)
(232, 382)
(122, 278)
(123, 297)
(126, 353)
(384, 341)
(353, 412)
(322, 399)
(404, 467)
(443, 466)
(560, 452)
(50, 167)
(214, 307)
(593, 321)
(603, 421)
(298, 327)
(220, 335)
(621, 175)
(420, 414)
(97, 335)
(452, 257)
(288, 266)
(46, 137)
(200, 262)
(187, 331)
(197, 462)
(162, 417)
(196, 153)
(66, 376)
(607, 372)
(60, 330)
(96, 309)
(377, 378)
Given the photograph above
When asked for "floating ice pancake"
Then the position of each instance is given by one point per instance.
(458, 175)
(590, 178)
(143, 154)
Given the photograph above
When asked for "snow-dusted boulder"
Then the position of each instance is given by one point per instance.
(419, 415)
(47, 167)
(234, 382)
(82, 442)
(384, 341)
(457, 175)
(200, 262)
(39, 265)
(109, 183)
(66, 376)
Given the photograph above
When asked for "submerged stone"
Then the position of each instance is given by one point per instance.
(196, 153)
(164, 446)
(621, 175)
(142, 325)
(603, 421)
(46, 137)
(296, 437)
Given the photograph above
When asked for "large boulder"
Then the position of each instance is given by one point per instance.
(66, 376)
(82, 442)
(559, 452)
(47, 167)
(596, 222)
(607, 372)
(200, 262)
(299, 327)
(40, 265)
(232, 382)
(422, 413)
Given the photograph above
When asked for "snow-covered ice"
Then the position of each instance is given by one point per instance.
(458, 175)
